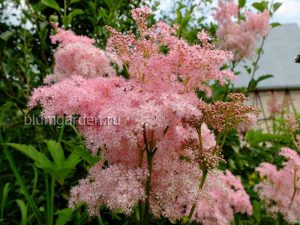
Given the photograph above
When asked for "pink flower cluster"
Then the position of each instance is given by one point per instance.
(222, 196)
(192, 65)
(281, 187)
(77, 55)
(151, 106)
(240, 36)
(249, 124)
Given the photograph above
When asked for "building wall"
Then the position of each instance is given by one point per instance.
(262, 100)
(289, 101)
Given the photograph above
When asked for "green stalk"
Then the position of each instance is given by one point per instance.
(51, 211)
(25, 50)
(49, 198)
(47, 215)
(23, 186)
(148, 188)
(61, 132)
(51, 187)
(203, 178)
(150, 151)
(65, 8)
(100, 220)
(224, 139)
(255, 68)
(295, 187)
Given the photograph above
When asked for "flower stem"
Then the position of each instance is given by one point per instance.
(295, 187)
(150, 149)
(148, 188)
(203, 178)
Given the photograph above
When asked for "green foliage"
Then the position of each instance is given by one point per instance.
(23, 208)
(35, 180)
(4, 199)
(60, 168)
(256, 137)
(242, 3)
(34, 189)
(261, 6)
(254, 82)
(64, 216)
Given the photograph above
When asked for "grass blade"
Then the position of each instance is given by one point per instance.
(23, 209)
(21, 182)
(5, 192)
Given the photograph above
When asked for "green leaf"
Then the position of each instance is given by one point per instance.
(56, 152)
(255, 137)
(6, 35)
(52, 4)
(23, 186)
(5, 192)
(276, 6)
(72, 161)
(64, 216)
(61, 167)
(257, 211)
(264, 77)
(275, 25)
(252, 85)
(260, 6)
(68, 19)
(242, 3)
(23, 208)
(74, 1)
(76, 12)
(41, 161)
(85, 155)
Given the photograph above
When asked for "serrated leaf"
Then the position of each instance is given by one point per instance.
(52, 4)
(72, 160)
(85, 155)
(41, 161)
(61, 167)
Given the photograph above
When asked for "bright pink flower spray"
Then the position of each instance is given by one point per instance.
(161, 155)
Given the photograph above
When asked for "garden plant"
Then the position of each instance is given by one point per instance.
(126, 116)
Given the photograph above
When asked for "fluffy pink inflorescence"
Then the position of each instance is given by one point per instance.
(193, 65)
(280, 188)
(76, 55)
(222, 196)
(240, 37)
(249, 124)
(116, 187)
(117, 115)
